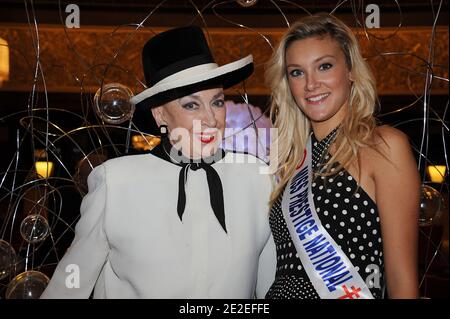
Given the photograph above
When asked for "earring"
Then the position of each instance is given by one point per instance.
(163, 130)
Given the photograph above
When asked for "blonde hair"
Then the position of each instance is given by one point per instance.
(294, 127)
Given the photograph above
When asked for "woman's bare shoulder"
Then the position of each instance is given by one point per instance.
(391, 147)
(388, 136)
(388, 141)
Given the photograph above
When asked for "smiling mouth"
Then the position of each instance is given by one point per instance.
(317, 99)
(206, 138)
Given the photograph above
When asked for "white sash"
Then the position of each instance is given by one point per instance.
(329, 269)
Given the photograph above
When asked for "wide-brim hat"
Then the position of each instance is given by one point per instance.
(178, 62)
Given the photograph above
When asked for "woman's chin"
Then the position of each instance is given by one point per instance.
(205, 151)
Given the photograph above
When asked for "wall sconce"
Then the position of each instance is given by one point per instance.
(4, 61)
(145, 142)
(436, 173)
(44, 168)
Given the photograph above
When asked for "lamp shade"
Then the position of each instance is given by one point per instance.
(44, 169)
(4, 61)
(436, 173)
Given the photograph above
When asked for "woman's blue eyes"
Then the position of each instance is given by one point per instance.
(322, 67)
(195, 105)
(295, 73)
(325, 66)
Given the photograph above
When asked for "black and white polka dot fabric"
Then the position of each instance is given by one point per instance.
(350, 217)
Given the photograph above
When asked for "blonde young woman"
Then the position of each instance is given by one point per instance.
(344, 213)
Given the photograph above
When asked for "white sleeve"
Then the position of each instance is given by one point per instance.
(268, 258)
(77, 272)
(266, 268)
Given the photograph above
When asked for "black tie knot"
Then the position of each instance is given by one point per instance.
(196, 166)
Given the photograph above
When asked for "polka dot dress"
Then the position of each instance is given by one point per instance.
(350, 217)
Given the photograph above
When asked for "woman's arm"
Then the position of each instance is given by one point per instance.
(397, 186)
(77, 272)
(266, 269)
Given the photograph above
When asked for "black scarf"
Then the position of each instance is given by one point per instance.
(163, 151)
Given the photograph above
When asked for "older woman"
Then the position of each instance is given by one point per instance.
(188, 220)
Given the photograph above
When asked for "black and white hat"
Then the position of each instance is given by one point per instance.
(178, 62)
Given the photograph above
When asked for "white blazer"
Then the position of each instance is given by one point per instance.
(130, 242)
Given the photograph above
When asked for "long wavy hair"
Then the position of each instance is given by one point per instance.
(294, 127)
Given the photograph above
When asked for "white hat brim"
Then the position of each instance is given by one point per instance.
(196, 74)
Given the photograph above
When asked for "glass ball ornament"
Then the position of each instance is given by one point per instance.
(246, 3)
(34, 228)
(112, 103)
(7, 259)
(27, 285)
(431, 203)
